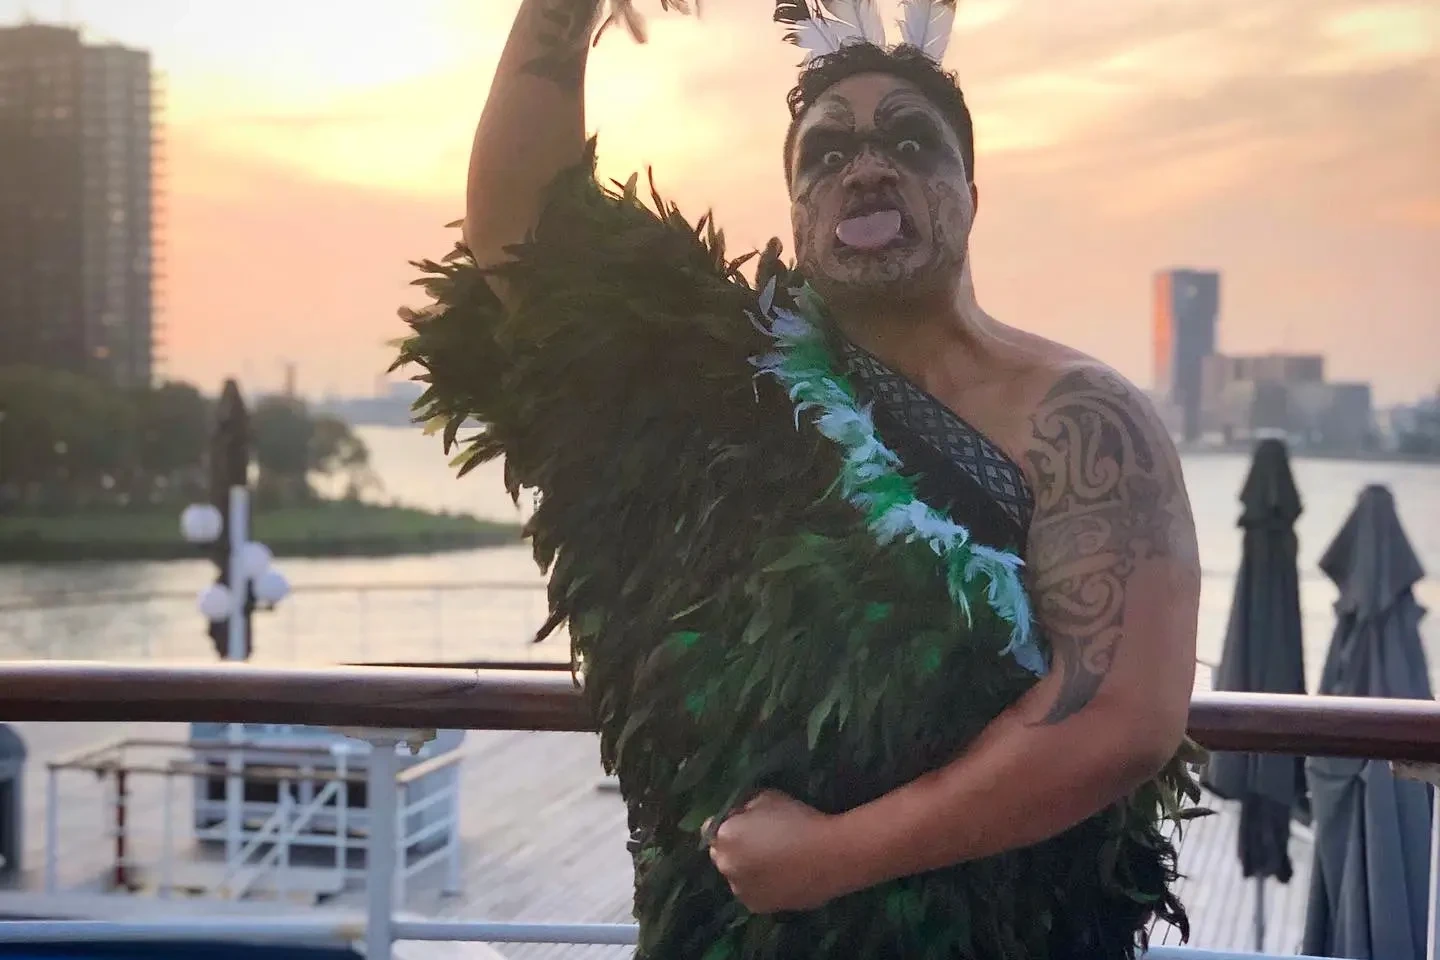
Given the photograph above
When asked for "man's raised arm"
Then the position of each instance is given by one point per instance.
(533, 125)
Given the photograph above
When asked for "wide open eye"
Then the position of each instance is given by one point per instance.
(908, 146)
(833, 159)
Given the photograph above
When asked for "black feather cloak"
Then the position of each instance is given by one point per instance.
(735, 621)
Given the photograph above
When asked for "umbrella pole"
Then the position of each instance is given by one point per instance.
(1259, 914)
(1430, 938)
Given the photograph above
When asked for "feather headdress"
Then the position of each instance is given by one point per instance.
(926, 25)
(623, 12)
(820, 27)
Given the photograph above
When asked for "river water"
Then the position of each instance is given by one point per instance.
(484, 604)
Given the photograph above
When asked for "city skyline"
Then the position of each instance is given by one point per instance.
(77, 216)
(1282, 143)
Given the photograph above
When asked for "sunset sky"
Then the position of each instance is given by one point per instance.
(313, 146)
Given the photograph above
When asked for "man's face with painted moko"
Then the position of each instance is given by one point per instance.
(881, 202)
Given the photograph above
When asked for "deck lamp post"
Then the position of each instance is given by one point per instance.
(246, 575)
(222, 527)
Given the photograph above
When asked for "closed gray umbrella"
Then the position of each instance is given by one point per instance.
(229, 467)
(1264, 654)
(1368, 894)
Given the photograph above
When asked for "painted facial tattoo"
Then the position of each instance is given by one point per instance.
(880, 198)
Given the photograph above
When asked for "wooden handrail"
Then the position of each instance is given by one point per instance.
(399, 697)
(439, 698)
(1366, 727)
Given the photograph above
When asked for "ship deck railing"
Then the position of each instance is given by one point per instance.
(392, 706)
(305, 808)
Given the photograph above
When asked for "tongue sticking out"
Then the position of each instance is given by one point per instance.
(871, 231)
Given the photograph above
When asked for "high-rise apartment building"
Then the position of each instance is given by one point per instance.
(77, 219)
(1187, 309)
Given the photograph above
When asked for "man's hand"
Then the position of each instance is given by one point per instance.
(773, 852)
(533, 125)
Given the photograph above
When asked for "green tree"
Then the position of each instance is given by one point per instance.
(67, 440)
(173, 425)
(64, 436)
(334, 448)
(281, 430)
(292, 445)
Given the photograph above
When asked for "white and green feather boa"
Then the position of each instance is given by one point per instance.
(870, 480)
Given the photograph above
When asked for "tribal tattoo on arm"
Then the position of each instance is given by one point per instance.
(1109, 497)
(565, 29)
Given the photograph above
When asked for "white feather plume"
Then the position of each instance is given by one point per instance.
(926, 25)
(810, 29)
(818, 37)
(861, 15)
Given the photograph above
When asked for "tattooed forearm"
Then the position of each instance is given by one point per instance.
(1109, 496)
(565, 29)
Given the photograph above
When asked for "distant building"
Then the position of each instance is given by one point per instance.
(77, 221)
(1277, 367)
(1186, 312)
(1415, 429)
(1333, 416)
(1243, 396)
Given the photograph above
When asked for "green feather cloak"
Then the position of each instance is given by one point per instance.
(735, 623)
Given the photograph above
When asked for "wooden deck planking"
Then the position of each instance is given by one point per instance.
(578, 871)
(1221, 902)
(542, 843)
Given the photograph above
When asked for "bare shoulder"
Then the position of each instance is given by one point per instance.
(1094, 437)
(1112, 541)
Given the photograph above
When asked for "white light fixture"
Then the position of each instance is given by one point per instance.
(254, 582)
(271, 587)
(201, 523)
(255, 559)
(215, 602)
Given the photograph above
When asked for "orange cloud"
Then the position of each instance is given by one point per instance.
(1289, 143)
(276, 267)
(1423, 212)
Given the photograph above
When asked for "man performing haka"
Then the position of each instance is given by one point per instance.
(885, 610)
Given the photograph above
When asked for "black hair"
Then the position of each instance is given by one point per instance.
(905, 62)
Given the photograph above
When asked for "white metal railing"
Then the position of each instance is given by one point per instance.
(71, 599)
(320, 932)
(310, 812)
(1390, 729)
(389, 812)
(437, 621)
(318, 623)
(275, 837)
